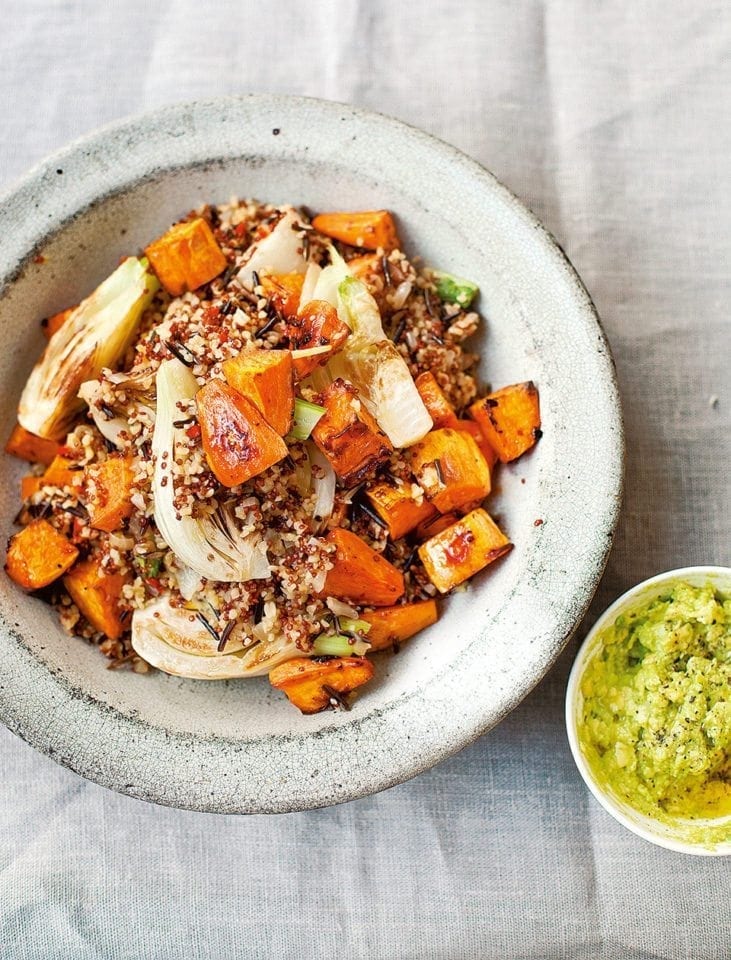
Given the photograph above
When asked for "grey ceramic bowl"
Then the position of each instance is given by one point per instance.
(237, 746)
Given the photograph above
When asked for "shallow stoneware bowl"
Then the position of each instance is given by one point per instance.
(238, 746)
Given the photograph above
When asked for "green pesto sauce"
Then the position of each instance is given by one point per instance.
(656, 725)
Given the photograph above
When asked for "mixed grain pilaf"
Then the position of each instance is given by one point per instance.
(260, 448)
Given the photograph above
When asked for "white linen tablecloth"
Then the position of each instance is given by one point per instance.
(611, 121)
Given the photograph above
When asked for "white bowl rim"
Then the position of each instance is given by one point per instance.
(40, 181)
(572, 688)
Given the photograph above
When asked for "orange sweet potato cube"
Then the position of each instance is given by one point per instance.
(369, 229)
(237, 440)
(55, 322)
(30, 484)
(317, 324)
(449, 466)
(460, 551)
(359, 573)
(434, 525)
(266, 378)
(510, 419)
(62, 472)
(38, 555)
(395, 504)
(96, 593)
(284, 290)
(309, 685)
(393, 625)
(440, 409)
(348, 435)
(108, 492)
(27, 446)
(475, 431)
(186, 257)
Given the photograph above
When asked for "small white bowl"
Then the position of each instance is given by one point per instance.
(666, 835)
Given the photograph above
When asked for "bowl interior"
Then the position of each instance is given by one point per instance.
(677, 835)
(111, 195)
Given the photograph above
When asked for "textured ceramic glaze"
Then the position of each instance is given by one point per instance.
(238, 746)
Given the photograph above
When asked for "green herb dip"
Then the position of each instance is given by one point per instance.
(656, 724)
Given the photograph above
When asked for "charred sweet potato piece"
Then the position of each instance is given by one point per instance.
(237, 440)
(316, 325)
(108, 488)
(30, 484)
(55, 322)
(475, 431)
(440, 409)
(38, 555)
(348, 435)
(510, 419)
(63, 472)
(393, 625)
(434, 525)
(360, 574)
(27, 446)
(96, 594)
(460, 551)
(266, 377)
(310, 685)
(369, 229)
(284, 290)
(395, 504)
(449, 466)
(186, 257)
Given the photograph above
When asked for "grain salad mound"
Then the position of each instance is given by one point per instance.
(259, 449)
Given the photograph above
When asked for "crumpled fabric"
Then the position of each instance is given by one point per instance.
(611, 122)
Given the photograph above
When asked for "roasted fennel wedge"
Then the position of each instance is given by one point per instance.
(375, 367)
(211, 545)
(167, 638)
(96, 335)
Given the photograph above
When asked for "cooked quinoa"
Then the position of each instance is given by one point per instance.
(203, 329)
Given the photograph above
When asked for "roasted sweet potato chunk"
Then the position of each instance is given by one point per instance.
(348, 435)
(510, 419)
(316, 325)
(108, 488)
(27, 446)
(284, 290)
(434, 525)
(30, 484)
(186, 257)
(266, 377)
(237, 440)
(369, 229)
(55, 322)
(460, 551)
(96, 594)
(311, 685)
(449, 466)
(475, 431)
(440, 409)
(393, 625)
(38, 555)
(360, 574)
(395, 504)
(62, 472)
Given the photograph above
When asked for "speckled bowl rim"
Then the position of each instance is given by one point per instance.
(639, 824)
(162, 748)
